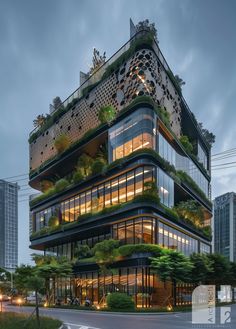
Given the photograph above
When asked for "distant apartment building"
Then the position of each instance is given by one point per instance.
(225, 225)
(8, 225)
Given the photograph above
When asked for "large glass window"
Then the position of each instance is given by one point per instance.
(166, 151)
(202, 156)
(136, 131)
(184, 163)
(172, 238)
(166, 188)
(119, 190)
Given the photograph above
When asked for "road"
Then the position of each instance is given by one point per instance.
(100, 320)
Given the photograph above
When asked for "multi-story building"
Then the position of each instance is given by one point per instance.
(9, 225)
(224, 229)
(141, 144)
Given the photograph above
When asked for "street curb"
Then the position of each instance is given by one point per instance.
(63, 326)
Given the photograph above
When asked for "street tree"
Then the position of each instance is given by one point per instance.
(172, 266)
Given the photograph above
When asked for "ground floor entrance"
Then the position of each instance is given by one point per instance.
(139, 282)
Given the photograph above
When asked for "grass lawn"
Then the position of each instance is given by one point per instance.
(17, 320)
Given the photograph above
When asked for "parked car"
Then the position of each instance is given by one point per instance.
(17, 300)
(5, 298)
(32, 299)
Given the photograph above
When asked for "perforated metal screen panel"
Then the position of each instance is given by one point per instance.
(142, 74)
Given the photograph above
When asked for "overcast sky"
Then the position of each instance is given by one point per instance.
(44, 45)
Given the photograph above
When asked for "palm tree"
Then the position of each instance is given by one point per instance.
(39, 121)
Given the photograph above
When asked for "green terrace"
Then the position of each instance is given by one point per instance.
(107, 115)
(188, 213)
(136, 44)
(88, 168)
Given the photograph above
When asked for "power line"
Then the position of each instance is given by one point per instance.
(15, 176)
(224, 152)
(224, 164)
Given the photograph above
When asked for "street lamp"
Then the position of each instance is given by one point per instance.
(19, 301)
(1, 303)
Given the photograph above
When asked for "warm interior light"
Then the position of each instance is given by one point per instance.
(169, 308)
(19, 300)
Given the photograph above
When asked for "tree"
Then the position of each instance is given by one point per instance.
(220, 269)
(84, 164)
(57, 102)
(51, 268)
(202, 266)
(107, 114)
(22, 274)
(35, 283)
(82, 251)
(105, 254)
(39, 121)
(5, 284)
(209, 136)
(172, 266)
(232, 274)
(192, 211)
(180, 81)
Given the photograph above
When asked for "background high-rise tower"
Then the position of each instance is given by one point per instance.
(8, 225)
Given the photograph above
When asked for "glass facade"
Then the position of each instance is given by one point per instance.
(154, 231)
(173, 239)
(134, 132)
(135, 231)
(202, 156)
(205, 248)
(138, 282)
(165, 150)
(120, 189)
(165, 188)
(183, 163)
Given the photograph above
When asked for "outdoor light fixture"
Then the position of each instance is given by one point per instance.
(19, 301)
(169, 308)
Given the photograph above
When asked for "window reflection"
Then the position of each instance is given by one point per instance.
(131, 134)
(121, 189)
(184, 163)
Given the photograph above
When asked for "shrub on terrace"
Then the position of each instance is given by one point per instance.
(84, 164)
(77, 177)
(129, 249)
(53, 221)
(82, 251)
(97, 167)
(186, 144)
(45, 185)
(106, 114)
(61, 185)
(62, 143)
(192, 211)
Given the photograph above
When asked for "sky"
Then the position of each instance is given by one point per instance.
(45, 44)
